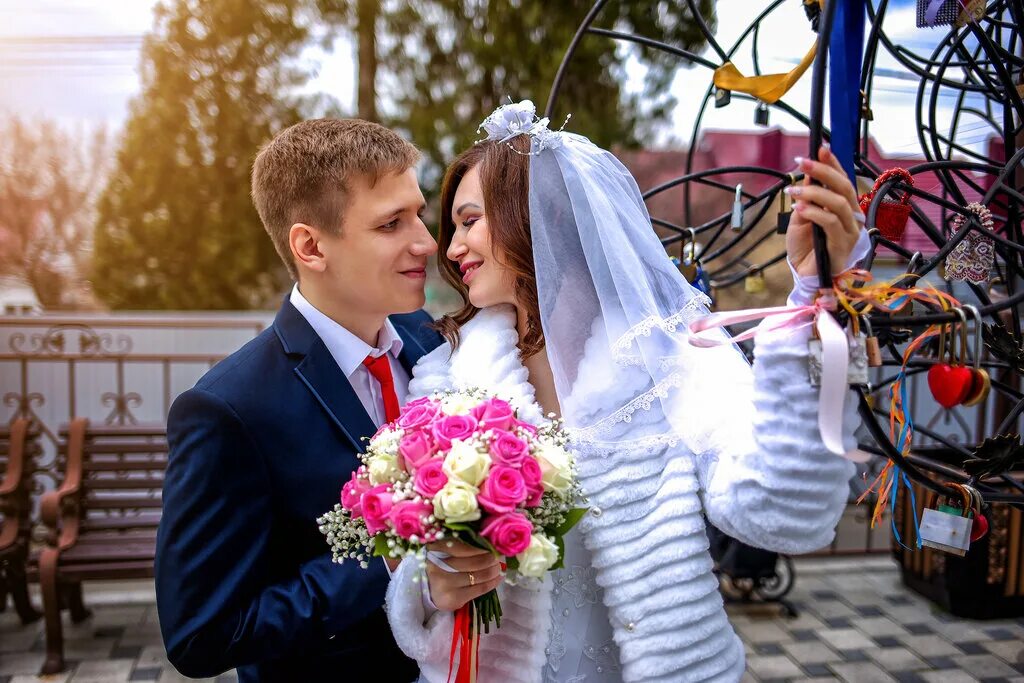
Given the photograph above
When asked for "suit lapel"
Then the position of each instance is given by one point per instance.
(317, 369)
(334, 392)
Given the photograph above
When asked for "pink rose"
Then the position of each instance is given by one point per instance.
(530, 469)
(524, 425)
(508, 533)
(410, 519)
(419, 416)
(377, 504)
(416, 448)
(422, 401)
(508, 449)
(352, 493)
(493, 414)
(453, 427)
(430, 478)
(502, 490)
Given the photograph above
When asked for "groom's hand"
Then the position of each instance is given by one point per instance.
(477, 572)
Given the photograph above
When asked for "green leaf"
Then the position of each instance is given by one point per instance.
(572, 518)
(472, 537)
(380, 546)
(561, 554)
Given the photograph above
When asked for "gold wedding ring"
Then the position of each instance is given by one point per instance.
(472, 579)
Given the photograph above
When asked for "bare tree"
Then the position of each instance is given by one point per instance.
(50, 179)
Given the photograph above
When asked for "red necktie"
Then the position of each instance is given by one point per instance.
(380, 368)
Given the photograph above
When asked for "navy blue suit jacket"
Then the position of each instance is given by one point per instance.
(259, 448)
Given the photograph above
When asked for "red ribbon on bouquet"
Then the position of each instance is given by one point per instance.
(835, 351)
(465, 642)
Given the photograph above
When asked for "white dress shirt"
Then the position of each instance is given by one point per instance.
(349, 351)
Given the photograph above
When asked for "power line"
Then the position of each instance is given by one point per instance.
(71, 43)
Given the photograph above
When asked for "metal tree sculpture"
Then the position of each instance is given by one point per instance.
(974, 65)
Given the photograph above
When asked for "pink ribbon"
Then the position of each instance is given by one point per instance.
(834, 356)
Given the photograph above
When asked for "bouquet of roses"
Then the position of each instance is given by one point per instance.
(461, 464)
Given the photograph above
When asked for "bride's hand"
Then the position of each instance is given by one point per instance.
(478, 572)
(832, 205)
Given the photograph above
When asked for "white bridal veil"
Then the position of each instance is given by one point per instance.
(614, 308)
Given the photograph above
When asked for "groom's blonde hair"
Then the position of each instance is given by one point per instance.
(303, 175)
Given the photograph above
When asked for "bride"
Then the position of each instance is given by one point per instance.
(573, 308)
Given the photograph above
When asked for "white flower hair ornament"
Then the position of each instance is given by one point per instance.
(520, 118)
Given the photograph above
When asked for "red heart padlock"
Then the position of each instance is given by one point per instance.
(950, 384)
(979, 528)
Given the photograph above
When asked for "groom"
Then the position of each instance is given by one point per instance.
(260, 446)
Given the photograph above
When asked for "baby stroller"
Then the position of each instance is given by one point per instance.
(746, 573)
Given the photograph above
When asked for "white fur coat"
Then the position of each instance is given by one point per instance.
(753, 463)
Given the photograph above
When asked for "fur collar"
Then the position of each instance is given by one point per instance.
(487, 358)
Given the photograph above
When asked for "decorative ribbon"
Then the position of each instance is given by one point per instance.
(901, 430)
(466, 643)
(768, 88)
(834, 356)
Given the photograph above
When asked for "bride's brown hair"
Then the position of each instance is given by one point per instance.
(505, 179)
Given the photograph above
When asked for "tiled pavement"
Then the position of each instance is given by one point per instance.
(857, 623)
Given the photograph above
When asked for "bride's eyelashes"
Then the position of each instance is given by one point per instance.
(468, 223)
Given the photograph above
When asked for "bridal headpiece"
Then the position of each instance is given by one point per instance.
(520, 118)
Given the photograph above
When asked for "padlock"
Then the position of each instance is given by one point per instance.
(948, 528)
(950, 383)
(761, 115)
(871, 347)
(688, 257)
(981, 383)
(979, 527)
(737, 209)
(856, 364)
(785, 211)
(754, 283)
(722, 97)
(865, 109)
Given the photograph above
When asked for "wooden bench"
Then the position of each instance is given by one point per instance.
(102, 521)
(19, 446)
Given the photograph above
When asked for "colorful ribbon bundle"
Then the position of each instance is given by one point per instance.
(885, 296)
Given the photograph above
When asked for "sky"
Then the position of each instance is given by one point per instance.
(77, 61)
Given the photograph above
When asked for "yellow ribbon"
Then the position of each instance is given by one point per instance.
(768, 88)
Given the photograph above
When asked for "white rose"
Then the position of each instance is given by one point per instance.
(555, 467)
(458, 404)
(467, 463)
(456, 502)
(538, 557)
(383, 469)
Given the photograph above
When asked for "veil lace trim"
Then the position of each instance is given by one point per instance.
(691, 310)
(625, 413)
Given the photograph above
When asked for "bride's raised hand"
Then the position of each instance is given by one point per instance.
(832, 205)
